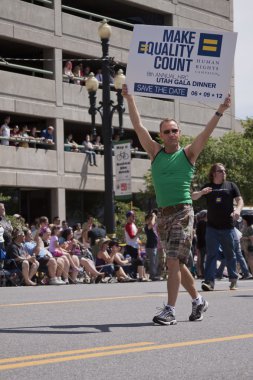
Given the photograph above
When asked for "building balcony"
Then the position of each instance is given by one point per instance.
(39, 168)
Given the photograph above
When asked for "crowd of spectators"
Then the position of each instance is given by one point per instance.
(58, 254)
(79, 73)
(45, 138)
(93, 146)
(25, 137)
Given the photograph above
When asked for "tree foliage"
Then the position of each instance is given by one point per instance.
(248, 128)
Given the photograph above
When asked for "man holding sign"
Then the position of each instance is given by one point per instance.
(172, 172)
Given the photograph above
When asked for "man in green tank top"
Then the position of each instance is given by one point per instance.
(172, 172)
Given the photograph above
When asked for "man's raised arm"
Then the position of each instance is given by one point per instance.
(194, 149)
(150, 146)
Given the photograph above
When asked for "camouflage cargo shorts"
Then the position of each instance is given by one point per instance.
(175, 228)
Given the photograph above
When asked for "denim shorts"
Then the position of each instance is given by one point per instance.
(176, 232)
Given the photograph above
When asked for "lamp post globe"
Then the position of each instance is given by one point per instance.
(91, 83)
(119, 79)
(104, 30)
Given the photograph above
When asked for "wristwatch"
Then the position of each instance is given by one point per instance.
(218, 114)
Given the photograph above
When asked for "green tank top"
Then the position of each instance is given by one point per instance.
(172, 174)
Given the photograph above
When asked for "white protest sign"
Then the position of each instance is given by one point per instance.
(122, 153)
(168, 62)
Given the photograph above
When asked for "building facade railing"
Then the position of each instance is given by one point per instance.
(28, 140)
(100, 149)
(46, 2)
(97, 16)
(25, 68)
(42, 143)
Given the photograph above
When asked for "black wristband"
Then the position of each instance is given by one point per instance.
(218, 114)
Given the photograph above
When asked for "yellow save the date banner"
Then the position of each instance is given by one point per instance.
(169, 62)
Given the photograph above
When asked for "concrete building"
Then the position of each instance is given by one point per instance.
(40, 35)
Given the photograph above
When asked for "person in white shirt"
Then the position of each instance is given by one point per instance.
(5, 130)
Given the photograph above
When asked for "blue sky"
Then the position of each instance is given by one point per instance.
(243, 11)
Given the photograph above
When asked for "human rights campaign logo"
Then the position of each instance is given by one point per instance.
(143, 47)
(210, 44)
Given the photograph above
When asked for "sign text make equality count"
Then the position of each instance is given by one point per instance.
(180, 63)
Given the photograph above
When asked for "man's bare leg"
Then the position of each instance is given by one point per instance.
(188, 281)
(173, 281)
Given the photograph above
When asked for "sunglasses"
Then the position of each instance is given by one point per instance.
(169, 131)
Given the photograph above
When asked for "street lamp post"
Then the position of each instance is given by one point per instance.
(106, 111)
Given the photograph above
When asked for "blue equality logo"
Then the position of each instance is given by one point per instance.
(210, 44)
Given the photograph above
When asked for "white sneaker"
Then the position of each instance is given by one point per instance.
(56, 281)
(53, 281)
(60, 281)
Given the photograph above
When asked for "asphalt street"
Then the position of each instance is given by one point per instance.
(105, 331)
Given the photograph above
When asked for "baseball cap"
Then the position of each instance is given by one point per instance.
(129, 213)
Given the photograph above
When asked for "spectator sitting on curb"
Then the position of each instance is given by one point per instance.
(119, 259)
(16, 257)
(74, 248)
(62, 262)
(105, 261)
(47, 263)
